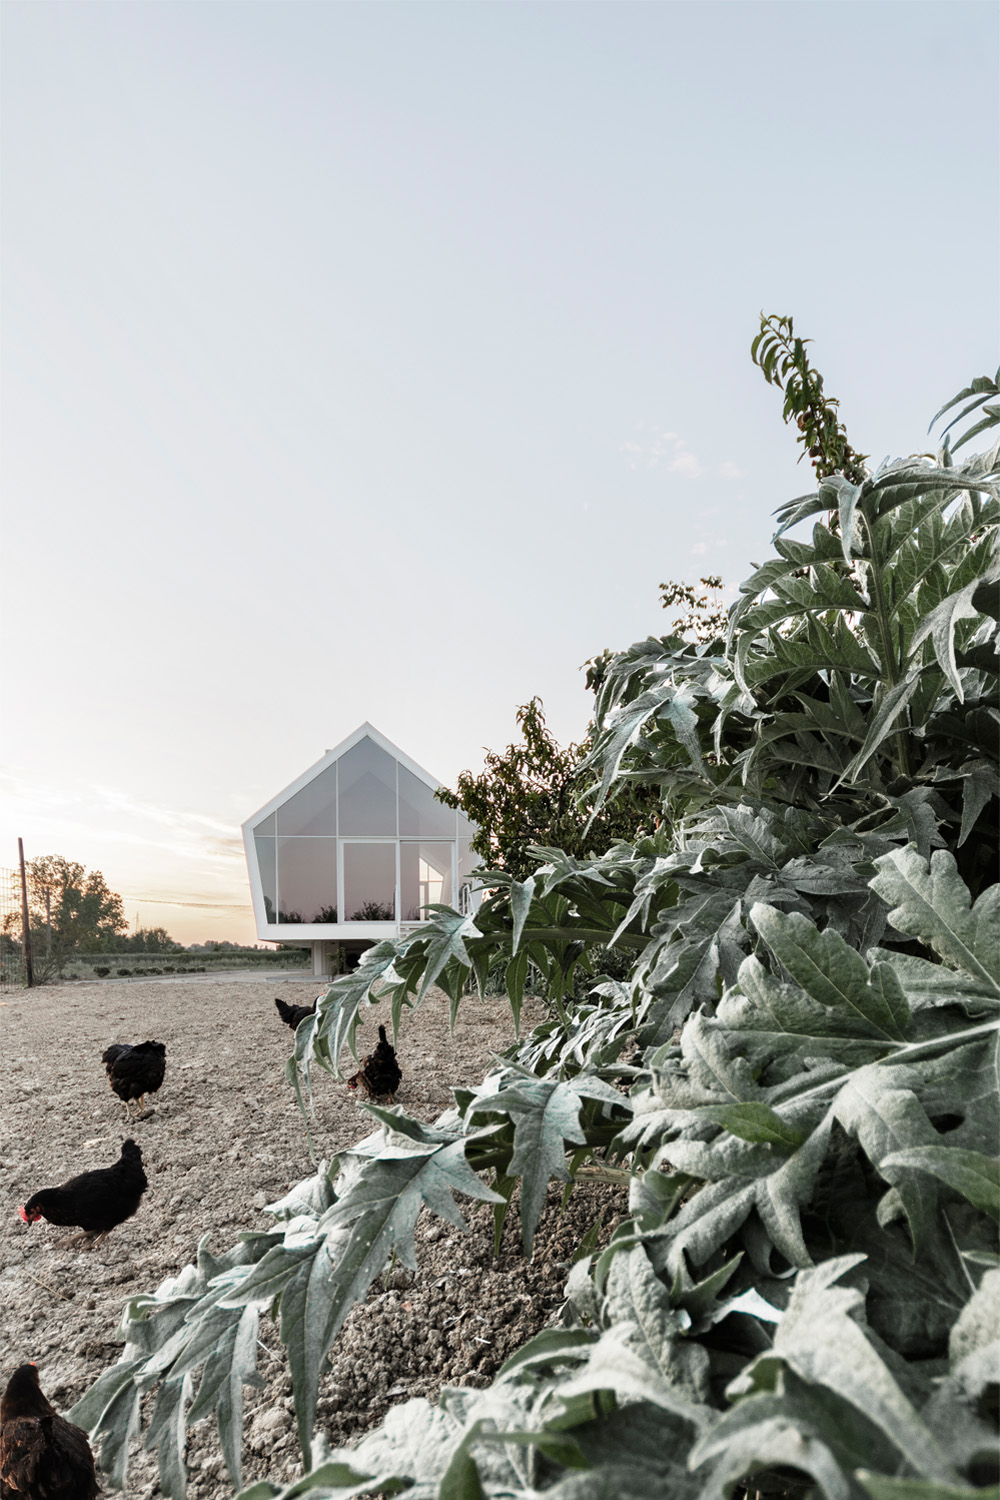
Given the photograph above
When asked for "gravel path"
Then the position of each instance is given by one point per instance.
(222, 1138)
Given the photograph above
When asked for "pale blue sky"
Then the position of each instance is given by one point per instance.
(377, 361)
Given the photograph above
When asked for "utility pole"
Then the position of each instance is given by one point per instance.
(25, 922)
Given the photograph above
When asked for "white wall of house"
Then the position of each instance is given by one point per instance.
(355, 848)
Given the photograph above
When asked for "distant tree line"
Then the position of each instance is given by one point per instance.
(73, 913)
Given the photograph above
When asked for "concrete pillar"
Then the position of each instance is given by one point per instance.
(321, 964)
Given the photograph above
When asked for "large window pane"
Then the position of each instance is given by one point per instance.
(419, 813)
(424, 875)
(313, 810)
(370, 882)
(268, 876)
(307, 880)
(265, 826)
(367, 791)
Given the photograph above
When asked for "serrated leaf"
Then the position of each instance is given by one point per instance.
(819, 1339)
(800, 1425)
(933, 903)
(546, 1113)
(940, 624)
(831, 972)
(886, 1120)
(633, 1293)
(613, 1365)
(775, 1186)
(975, 1176)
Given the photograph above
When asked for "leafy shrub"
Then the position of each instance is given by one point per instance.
(795, 1075)
(373, 911)
(102, 971)
(124, 972)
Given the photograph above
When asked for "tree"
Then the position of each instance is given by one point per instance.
(71, 910)
(704, 617)
(530, 795)
(149, 940)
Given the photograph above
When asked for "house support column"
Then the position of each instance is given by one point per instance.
(321, 963)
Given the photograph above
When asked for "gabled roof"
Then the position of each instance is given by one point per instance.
(363, 731)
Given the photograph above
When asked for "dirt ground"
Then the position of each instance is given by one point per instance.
(222, 1138)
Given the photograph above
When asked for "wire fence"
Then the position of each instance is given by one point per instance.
(12, 976)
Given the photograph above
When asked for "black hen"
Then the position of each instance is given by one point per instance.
(42, 1456)
(293, 1014)
(93, 1202)
(380, 1074)
(134, 1072)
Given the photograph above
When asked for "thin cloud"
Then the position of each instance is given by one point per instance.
(729, 470)
(666, 450)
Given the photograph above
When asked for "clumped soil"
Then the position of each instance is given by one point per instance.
(221, 1139)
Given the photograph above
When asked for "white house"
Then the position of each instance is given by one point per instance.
(354, 849)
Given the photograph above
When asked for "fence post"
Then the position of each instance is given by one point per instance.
(25, 923)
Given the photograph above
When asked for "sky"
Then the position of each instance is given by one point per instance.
(377, 361)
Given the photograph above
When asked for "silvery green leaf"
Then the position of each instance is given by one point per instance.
(831, 972)
(888, 706)
(416, 1441)
(522, 893)
(772, 1020)
(887, 1120)
(111, 1407)
(713, 1066)
(971, 1173)
(820, 1340)
(776, 1187)
(978, 1324)
(796, 1425)
(634, 1294)
(613, 1365)
(933, 903)
(332, 1479)
(980, 782)
(546, 1114)
(754, 1122)
(311, 1196)
(445, 940)
(119, 1424)
(940, 625)
(167, 1433)
(229, 1367)
(636, 1452)
(932, 984)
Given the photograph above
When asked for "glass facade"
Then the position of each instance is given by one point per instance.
(367, 799)
(313, 810)
(307, 880)
(369, 882)
(424, 876)
(364, 841)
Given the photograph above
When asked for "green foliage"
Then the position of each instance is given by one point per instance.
(795, 1074)
(71, 911)
(977, 394)
(783, 361)
(704, 617)
(530, 794)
